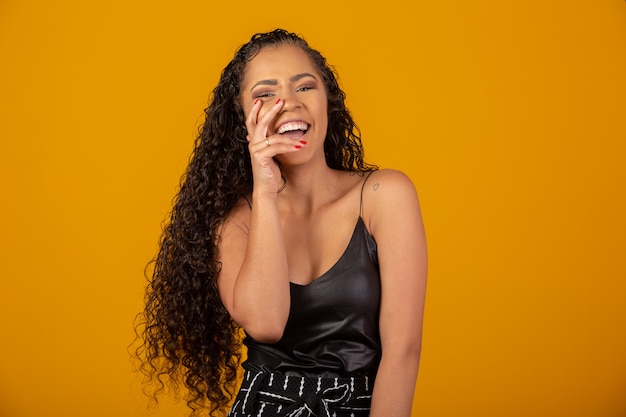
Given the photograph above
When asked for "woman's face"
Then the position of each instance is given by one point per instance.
(285, 72)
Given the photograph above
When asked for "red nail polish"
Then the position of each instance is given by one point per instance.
(277, 101)
(303, 142)
(298, 146)
(256, 101)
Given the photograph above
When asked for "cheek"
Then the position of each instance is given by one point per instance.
(323, 113)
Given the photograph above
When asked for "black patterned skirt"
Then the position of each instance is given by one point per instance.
(265, 394)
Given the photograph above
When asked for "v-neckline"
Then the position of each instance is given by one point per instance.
(359, 222)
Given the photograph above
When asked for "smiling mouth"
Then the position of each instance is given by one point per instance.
(293, 130)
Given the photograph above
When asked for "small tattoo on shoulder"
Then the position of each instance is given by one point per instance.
(375, 186)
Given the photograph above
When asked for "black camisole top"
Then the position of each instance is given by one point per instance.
(332, 329)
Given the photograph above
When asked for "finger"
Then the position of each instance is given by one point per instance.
(251, 120)
(269, 115)
(263, 122)
(275, 145)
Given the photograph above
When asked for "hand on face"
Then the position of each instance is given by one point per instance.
(264, 148)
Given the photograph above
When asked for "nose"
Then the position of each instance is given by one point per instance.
(291, 101)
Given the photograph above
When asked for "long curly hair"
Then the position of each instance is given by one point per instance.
(186, 334)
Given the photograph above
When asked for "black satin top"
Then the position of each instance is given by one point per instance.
(332, 328)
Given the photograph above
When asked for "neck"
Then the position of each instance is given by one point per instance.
(307, 189)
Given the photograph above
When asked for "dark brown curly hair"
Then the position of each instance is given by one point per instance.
(186, 333)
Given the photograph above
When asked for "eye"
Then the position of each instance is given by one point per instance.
(263, 94)
(305, 88)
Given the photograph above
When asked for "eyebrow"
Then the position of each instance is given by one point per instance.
(292, 79)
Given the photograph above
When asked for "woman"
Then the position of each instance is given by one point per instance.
(282, 229)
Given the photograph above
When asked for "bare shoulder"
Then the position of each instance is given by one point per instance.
(238, 219)
(390, 178)
(387, 185)
(389, 194)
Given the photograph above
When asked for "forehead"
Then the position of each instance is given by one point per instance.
(276, 62)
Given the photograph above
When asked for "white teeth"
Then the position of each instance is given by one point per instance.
(290, 126)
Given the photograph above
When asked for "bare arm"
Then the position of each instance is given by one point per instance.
(396, 223)
(254, 282)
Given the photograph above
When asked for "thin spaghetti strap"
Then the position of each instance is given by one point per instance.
(362, 188)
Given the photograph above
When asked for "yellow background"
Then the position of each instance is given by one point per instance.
(509, 116)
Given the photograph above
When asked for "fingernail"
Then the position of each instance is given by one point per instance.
(303, 142)
(298, 146)
(256, 101)
(277, 101)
